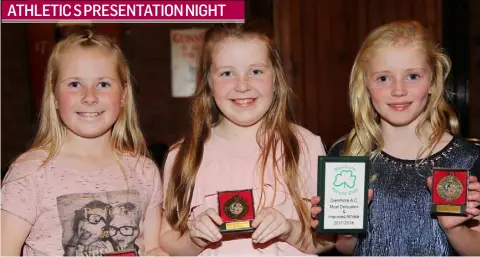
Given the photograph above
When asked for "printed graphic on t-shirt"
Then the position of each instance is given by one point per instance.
(99, 223)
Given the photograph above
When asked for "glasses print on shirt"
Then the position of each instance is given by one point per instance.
(96, 224)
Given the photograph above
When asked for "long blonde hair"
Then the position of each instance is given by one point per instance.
(126, 135)
(366, 136)
(276, 130)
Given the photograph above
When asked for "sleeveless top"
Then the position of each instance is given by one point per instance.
(400, 222)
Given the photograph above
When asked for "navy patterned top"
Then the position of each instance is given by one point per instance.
(399, 215)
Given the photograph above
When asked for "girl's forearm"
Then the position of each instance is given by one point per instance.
(466, 241)
(176, 244)
(317, 244)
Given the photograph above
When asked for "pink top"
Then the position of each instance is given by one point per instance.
(230, 166)
(81, 212)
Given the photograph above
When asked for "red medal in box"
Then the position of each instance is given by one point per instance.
(237, 210)
(449, 191)
(122, 253)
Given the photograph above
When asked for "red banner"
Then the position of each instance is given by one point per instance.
(123, 11)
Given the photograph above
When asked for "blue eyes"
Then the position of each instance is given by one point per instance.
(257, 72)
(102, 84)
(413, 76)
(384, 79)
(229, 73)
(74, 84)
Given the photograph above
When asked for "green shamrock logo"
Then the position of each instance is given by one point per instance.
(345, 178)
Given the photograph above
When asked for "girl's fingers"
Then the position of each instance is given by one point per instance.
(264, 224)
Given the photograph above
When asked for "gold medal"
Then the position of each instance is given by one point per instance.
(236, 207)
(449, 188)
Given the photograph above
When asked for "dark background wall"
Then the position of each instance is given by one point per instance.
(318, 42)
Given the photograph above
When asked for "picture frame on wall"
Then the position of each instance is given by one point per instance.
(185, 48)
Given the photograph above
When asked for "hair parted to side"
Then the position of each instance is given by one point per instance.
(366, 135)
(277, 130)
(126, 134)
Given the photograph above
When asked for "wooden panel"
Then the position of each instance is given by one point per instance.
(111, 30)
(403, 10)
(390, 11)
(297, 55)
(375, 13)
(41, 39)
(337, 86)
(319, 41)
(433, 16)
(282, 34)
(419, 12)
(309, 72)
(474, 85)
(17, 99)
(325, 101)
(362, 21)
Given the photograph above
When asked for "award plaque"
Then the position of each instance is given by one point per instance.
(449, 191)
(343, 190)
(236, 210)
(122, 253)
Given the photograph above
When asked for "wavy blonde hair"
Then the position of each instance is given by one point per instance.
(126, 134)
(277, 130)
(366, 135)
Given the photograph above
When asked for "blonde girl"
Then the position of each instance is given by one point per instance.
(88, 157)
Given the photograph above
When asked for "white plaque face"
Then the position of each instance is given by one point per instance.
(343, 195)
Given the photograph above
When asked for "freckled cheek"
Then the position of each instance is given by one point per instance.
(377, 95)
(221, 89)
(421, 93)
(264, 86)
(66, 100)
(112, 100)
